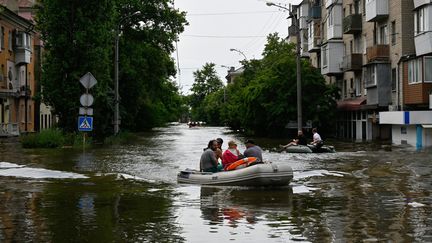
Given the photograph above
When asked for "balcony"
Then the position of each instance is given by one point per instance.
(314, 40)
(9, 129)
(423, 43)
(377, 10)
(334, 23)
(352, 24)
(315, 12)
(331, 56)
(292, 31)
(378, 53)
(352, 62)
(22, 48)
(419, 3)
(25, 91)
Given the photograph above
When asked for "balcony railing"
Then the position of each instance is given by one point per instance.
(352, 24)
(378, 53)
(352, 62)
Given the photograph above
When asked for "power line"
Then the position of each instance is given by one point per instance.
(226, 36)
(231, 13)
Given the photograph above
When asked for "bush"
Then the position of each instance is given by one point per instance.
(52, 138)
(121, 138)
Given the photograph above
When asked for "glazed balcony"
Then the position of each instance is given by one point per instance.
(352, 62)
(315, 12)
(378, 53)
(419, 3)
(377, 10)
(314, 40)
(352, 24)
(423, 43)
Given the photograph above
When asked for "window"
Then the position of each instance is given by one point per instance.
(324, 56)
(420, 20)
(414, 71)
(428, 69)
(403, 130)
(10, 40)
(357, 86)
(2, 38)
(394, 81)
(370, 76)
(383, 32)
(393, 33)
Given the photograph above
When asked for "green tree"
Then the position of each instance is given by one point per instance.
(206, 82)
(77, 39)
(264, 98)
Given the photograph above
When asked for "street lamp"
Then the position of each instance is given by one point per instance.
(236, 50)
(299, 92)
(116, 74)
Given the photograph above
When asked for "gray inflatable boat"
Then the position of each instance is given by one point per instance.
(265, 174)
(309, 149)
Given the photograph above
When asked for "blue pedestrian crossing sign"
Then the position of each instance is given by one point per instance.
(85, 123)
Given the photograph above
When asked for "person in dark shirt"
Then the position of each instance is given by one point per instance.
(253, 150)
(299, 140)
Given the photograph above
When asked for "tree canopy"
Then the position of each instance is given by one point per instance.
(264, 98)
(79, 38)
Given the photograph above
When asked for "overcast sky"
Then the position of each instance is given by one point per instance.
(216, 26)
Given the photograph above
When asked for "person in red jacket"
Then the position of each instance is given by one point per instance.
(231, 155)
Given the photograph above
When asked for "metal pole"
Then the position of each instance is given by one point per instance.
(299, 88)
(116, 82)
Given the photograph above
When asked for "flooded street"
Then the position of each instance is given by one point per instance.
(128, 193)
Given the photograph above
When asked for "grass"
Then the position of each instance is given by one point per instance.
(52, 138)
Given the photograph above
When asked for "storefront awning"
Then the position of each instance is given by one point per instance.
(351, 105)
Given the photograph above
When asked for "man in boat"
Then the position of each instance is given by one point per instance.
(208, 161)
(299, 140)
(253, 150)
(317, 141)
(218, 151)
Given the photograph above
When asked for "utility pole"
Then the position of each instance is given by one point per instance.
(296, 23)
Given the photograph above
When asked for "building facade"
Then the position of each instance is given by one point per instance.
(379, 54)
(17, 79)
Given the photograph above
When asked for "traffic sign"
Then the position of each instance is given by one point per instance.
(85, 123)
(86, 100)
(88, 80)
(86, 111)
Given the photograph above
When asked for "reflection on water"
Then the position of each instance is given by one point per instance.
(128, 193)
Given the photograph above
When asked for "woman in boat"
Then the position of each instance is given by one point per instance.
(231, 155)
(208, 161)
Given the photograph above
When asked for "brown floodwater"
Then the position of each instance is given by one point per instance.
(366, 192)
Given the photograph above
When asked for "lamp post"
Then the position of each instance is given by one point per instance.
(116, 74)
(236, 50)
(298, 61)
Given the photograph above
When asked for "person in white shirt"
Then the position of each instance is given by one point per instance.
(317, 141)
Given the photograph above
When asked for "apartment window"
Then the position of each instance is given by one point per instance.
(357, 86)
(428, 69)
(420, 20)
(370, 76)
(10, 40)
(324, 56)
(2, 38)
(394, 79)
(356, 7)
(393, 32)
(383, 33)
(414, 71)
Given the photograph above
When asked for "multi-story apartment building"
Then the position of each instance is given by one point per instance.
(17, 86)
(21, 71)
(378, 52)
(413, 123)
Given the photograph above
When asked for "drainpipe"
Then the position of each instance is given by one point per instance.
(25, 99)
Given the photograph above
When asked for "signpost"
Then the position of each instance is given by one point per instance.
(85, 120)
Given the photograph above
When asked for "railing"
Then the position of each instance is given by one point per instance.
(352, 24)
(352, 62)
(378, 52)
(9, 129)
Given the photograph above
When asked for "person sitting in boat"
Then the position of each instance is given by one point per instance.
(317, 141)
(299, 140)
(253, 150)
(231, 155)
(219, 152)
(208, 161)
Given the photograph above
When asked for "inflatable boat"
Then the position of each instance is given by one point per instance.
(309, 149)
(265, 174)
